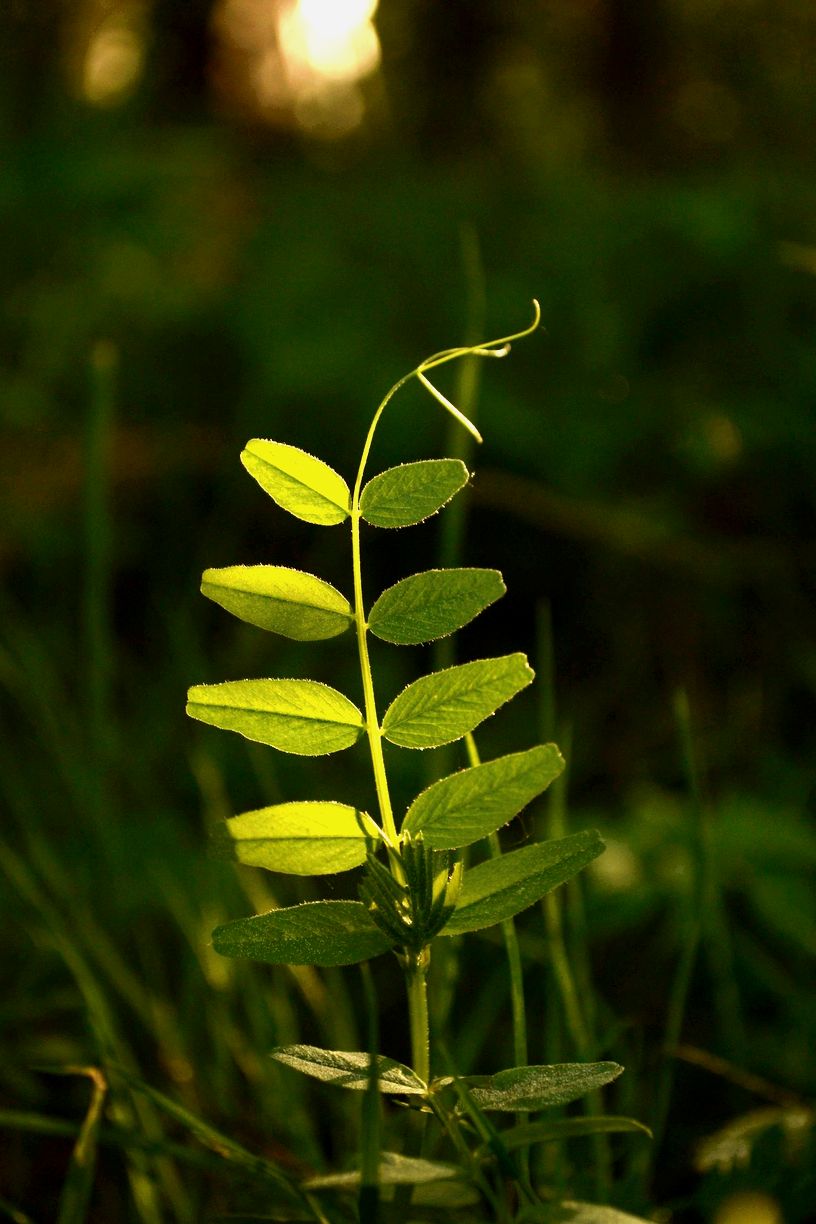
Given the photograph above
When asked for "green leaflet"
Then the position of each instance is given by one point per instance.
(524, 1089)
(349, 1069)
(557, 1129)
(300, 838)
(433, 604)
(281, 600)
(322, 933)
(473, 803)
(305, 486)
(404, 495)
(300, 716)
(395, 1170)
(501, 887)
(445, 705)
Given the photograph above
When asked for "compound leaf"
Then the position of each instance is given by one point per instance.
(433, 604)
(320, 933)
(445, 705)
(299, 716)
(349, 1069)
(531, 1088)
(282, 600)
(473, 803)
(501, 887)
(305, 486)
(309, 838)
(404, 495)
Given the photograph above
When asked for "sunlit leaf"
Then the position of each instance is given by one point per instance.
(349, 1069)
(501, 887)
(299, 716)
(407, 494)
(281, 600)
(316, 933)
(395, 1170)
(309, 838)
(433, 604)
(522, 1089)
(305, 486)
(471, 804)
(445, 705)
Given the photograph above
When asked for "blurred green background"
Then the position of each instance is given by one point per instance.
(233, 218)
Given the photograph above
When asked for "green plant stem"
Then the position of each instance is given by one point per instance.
(416, 981)
(372, 721)
(369, 1196)
(469, 1160)
(417, 965)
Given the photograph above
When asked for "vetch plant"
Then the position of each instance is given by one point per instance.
(415, 887)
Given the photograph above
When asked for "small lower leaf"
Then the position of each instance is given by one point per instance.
(521, 1089)
(395, 1170)
(557, 1129)
(504, 886)
(321, 933)
(577, 1213)
(309, 838)
(349, 1068)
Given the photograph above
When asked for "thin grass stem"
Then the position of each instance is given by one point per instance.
(574, 1009)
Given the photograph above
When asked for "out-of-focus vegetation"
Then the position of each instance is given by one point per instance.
(227, 218)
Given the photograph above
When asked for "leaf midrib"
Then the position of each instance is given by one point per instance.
(235, 709)
(295, 480)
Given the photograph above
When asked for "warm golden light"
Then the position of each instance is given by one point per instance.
(114, 56)
(303, 58)
(332, 39)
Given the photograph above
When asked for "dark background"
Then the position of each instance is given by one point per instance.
(206, 238)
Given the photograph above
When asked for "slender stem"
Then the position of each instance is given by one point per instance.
(469, 1159)
(369, 1196)
(416, 981)
(372, 721)
(416, 964)
(492, 348)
